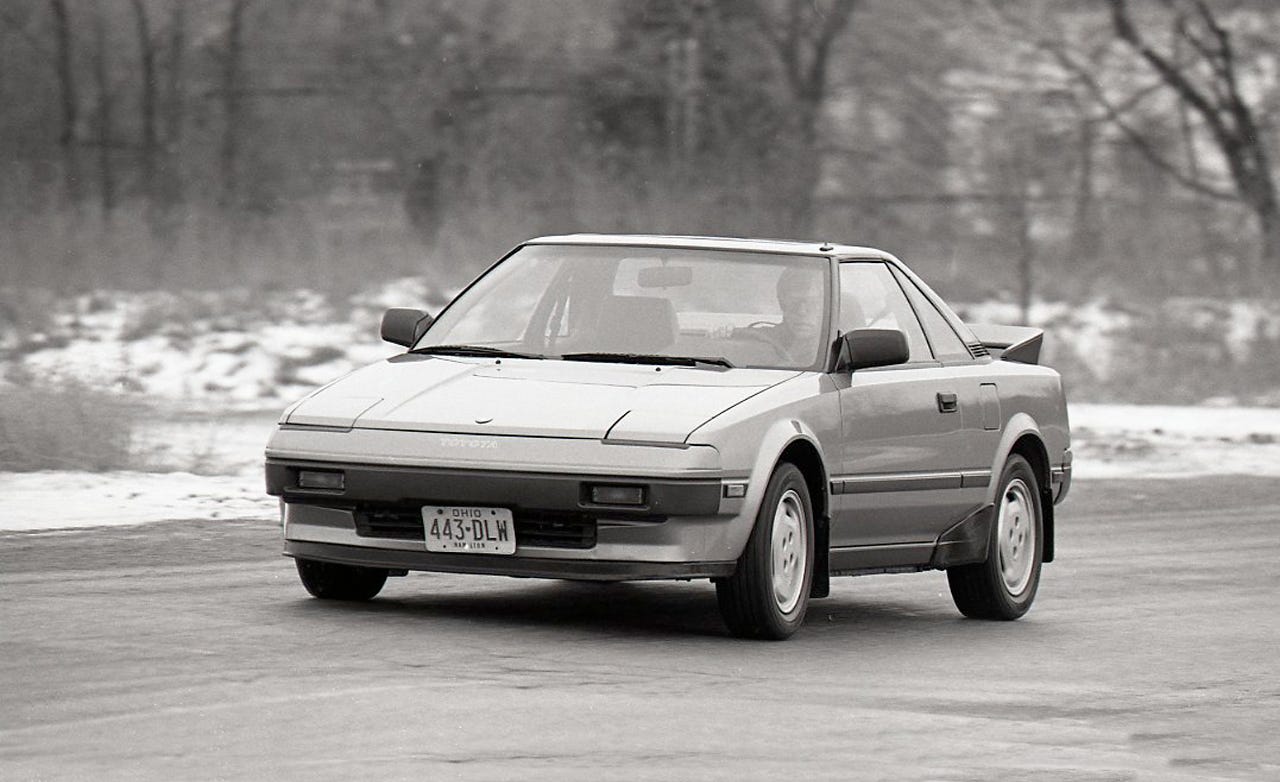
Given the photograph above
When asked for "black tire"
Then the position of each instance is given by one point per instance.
(331, 581)
(990, 590)
(749, 603)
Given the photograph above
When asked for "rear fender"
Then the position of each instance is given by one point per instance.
(1018, 426)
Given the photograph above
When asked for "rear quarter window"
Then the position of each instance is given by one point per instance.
(946, 344)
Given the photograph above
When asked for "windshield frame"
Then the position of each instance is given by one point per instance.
(821, 362)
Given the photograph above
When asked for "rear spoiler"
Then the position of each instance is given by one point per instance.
(1011, 343)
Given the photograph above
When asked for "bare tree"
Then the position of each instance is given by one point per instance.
(1219, 102)
(1201, 72)
(802, 34)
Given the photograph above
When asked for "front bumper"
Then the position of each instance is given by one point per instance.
(519, 566)
(505, 488)
(684, 529)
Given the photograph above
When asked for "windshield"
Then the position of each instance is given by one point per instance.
(578, 302)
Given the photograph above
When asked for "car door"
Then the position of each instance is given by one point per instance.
(977, 393)
(902, 429)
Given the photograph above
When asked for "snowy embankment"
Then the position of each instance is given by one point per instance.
(234, 349)
(254, 350)
(216, 367)
(1110, 441)
(1164, 441)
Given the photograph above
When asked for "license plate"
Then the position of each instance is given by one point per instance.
(460, 530)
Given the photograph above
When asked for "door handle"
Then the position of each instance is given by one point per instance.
(947, 403)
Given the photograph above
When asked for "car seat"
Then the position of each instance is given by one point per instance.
(637, 324)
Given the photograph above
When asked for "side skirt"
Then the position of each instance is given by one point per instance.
(965, 543)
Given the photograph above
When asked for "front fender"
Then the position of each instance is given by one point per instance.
(776, 439)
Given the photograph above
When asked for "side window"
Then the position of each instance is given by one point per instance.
(870, 299)
(947, 346)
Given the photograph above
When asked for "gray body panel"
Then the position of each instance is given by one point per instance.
(898, 471)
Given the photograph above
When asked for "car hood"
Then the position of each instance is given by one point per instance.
(543, 398)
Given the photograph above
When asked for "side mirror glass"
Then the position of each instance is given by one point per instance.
(866, 348)
(402, 326)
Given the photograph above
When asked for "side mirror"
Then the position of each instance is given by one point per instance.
(865, 348)
(402, 326)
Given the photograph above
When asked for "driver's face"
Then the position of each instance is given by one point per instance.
(800, 297)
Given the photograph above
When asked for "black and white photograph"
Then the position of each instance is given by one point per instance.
(640, 390)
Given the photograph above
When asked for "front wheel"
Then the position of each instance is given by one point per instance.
(768, 594)
(331, 581)
(1004, 586)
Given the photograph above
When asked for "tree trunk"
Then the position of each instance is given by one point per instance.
(1026, 254)
(1085, 230)
(802, 38)
(232, 104)
(1260, 193)
(1268, 218)
(147, 100)
(64, 44)
(175, 72)
(102, 77)
(169, 185)
(806, 170)
(1200, 203)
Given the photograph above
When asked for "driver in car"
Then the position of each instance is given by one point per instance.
(800, 293)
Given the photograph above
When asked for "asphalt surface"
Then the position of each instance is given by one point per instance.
(190, 651)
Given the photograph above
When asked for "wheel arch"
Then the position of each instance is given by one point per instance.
(793, 441)
(804, 454)
(1023, 438)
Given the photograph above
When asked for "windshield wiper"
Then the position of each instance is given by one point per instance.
(647, 358)
(472, 350)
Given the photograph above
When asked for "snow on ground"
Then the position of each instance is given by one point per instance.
(202, 467)
(253, 349)
(219, 366)
(1089, 329)
(66, 500)
(229, 444)
(1164, 441)
(236, 348)
(216, 464)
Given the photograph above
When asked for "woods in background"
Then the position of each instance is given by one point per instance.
(1040, 147)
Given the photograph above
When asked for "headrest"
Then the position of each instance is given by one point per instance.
(637, 324)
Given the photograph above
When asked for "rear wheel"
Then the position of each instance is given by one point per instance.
(331, 581)
(1004, 586)
(768, 594)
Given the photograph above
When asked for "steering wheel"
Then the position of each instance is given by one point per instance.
(762, 331)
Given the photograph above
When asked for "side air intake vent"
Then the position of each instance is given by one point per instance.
(977, 349)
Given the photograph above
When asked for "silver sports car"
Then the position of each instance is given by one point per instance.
(764, 414)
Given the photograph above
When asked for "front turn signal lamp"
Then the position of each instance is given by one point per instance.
(604, 494)
(324, 480)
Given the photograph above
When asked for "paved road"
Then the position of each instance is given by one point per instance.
(175, 651)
